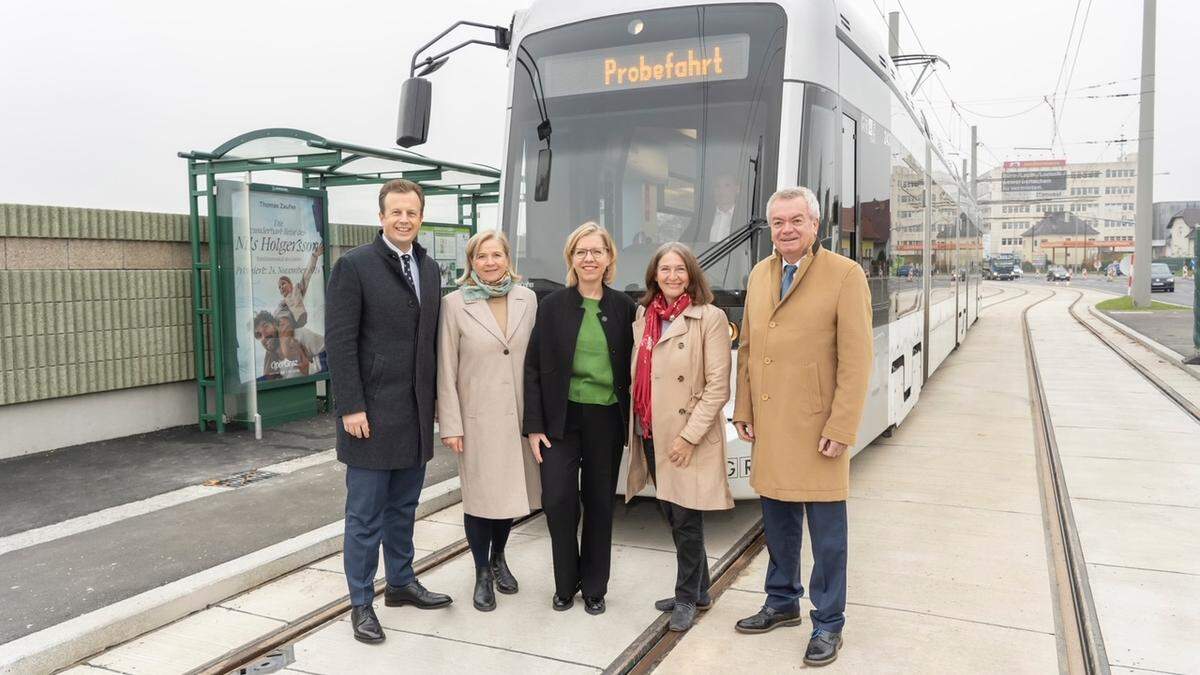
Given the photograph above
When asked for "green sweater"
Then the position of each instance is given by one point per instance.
(591, 371)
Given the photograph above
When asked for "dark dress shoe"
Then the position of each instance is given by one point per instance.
(484, 597)
(414, 594)
(505, 581)
(593, 605)
(682, 617)
(366, 624)
(561, 604)
(668, 604)
(822, 648)
(768, 619)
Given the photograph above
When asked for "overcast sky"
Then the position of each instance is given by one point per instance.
(97, 97)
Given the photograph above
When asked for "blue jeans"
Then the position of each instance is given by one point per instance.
(784, 526)
(380, 506)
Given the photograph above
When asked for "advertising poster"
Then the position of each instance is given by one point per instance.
(447, 245)
(279, 278)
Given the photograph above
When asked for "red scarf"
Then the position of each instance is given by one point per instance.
(655, 314)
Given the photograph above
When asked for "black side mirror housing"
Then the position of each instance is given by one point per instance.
(416, 101)
(541, 190)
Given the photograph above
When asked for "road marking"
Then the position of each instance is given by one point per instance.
(91, 521)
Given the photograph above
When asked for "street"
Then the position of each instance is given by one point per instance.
(1184, 293)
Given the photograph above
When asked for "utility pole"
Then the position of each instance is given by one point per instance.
(1143, 228)
(974, 164)
(893, 34)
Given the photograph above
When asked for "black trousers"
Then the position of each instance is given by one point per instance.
(486, 537)
(687, 529)
(591, 446)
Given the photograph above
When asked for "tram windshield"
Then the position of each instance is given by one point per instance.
(664, 128)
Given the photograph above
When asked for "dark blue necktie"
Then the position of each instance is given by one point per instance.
(789, 271)
(408, 270)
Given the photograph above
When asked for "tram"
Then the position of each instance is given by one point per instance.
(677, 120)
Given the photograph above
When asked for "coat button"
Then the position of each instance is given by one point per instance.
(767, 360)
(412, 303)
(506, 351)
(772, 324)
(679, 378)
(682, 411)
(603, 318)
(681, 345)
(766, 397)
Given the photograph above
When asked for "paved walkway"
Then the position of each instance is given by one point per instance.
(1132, 462)
(85, 527)
(948, 569)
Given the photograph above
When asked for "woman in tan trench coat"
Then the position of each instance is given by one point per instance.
(680, 370)
(482, 338)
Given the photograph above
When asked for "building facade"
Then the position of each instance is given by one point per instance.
(1016, 197)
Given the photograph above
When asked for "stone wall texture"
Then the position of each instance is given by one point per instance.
(95, 300)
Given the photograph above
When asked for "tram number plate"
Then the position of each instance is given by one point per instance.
(737, 467)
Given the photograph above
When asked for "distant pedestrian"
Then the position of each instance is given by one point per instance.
(804, 363)
(381, 340)
(484, 333)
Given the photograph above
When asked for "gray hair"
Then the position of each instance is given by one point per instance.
(800, 192)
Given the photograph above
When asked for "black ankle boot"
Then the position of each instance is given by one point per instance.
(505, 581)
(484, 597)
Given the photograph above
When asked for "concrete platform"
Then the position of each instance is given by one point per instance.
(948, 569)
(1132, 464)
(948, 562)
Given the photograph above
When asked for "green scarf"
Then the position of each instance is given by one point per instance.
(482, 290)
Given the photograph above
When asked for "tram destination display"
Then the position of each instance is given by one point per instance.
(654, 64)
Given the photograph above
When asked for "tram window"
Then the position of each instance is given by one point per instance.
(874, 194)
(818, 155)
(848, 218)
(654, 162)
(907, 242)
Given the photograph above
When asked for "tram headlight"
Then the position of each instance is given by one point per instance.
(636, 26)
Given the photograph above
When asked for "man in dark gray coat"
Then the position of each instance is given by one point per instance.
(381, 338)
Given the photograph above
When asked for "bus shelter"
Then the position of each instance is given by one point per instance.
(262, 246)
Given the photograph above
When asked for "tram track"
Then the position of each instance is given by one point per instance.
(1081, 646)
(1023, 293)
(652, 645)
(242, 658)
(1165, 389)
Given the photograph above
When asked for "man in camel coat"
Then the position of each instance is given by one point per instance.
(803, 367)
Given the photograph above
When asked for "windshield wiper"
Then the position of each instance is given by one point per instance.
(723, 248)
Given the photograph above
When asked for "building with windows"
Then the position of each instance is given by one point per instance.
(1017, 197)
(1181, 233)
(1064, 238)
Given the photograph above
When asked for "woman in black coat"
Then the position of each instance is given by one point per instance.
(576, 407)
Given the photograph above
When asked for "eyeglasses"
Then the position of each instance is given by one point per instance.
(593, 253)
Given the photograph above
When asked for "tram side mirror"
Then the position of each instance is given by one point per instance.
(541, 190)
(416, 100)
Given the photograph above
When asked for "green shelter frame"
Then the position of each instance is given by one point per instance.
(321, 164)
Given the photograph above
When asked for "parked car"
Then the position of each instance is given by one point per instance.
(1161, 278)
(1017, 273)
(1058, 274)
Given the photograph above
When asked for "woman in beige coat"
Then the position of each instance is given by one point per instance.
(482, 339)
(681, 366)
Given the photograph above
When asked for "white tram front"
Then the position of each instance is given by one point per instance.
(677, 120)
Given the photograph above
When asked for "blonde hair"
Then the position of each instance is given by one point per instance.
(588, 228)
(473, 245)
